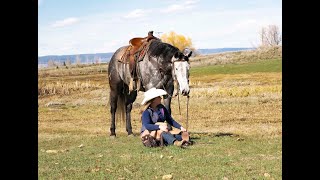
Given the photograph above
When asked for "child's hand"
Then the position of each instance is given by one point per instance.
(183, 129)
(163, 128)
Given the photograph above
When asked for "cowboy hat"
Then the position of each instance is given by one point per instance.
(152, 93)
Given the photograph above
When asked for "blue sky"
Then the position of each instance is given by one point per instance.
(99, 26)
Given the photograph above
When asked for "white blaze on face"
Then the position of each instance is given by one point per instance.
(181, 70)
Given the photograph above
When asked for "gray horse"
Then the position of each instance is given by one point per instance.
(161, 65)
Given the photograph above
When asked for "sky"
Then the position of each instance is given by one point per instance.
(68, 27)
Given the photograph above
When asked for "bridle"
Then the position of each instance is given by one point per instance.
(174, 77)
(173, 73)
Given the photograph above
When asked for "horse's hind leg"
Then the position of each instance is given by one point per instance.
(129, 101)
(128, 118)
(113, 109)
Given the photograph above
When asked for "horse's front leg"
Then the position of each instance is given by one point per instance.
(167, 101)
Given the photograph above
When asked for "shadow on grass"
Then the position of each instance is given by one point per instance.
(194, 136)
(198, 135)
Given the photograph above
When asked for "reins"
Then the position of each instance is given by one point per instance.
(187, 123)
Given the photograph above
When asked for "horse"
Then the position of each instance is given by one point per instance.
(161, 66)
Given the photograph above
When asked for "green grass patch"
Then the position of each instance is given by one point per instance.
(260, 66)
(126, 158)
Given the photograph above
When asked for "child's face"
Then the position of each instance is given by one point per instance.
(157, 100)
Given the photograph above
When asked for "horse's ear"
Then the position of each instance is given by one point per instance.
(176, 55)
(180, 55)
(190, 54)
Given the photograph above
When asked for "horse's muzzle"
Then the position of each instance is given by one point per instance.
(185, 93)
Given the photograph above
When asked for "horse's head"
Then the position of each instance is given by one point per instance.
(180, 70)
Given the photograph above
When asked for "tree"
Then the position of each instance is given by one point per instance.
(97, 60)
(78, 60)
(51, 63)
(68, 62)
(270, 36)
(177, 40)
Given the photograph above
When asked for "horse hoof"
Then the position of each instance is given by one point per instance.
(112, 136)
(131, 135)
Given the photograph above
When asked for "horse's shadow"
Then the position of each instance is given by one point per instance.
(198, 135)
(195, 136)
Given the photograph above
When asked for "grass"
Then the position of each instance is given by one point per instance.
(238, 57)
(125, 158)
(65, 88)
(235, 119)
(274, 65)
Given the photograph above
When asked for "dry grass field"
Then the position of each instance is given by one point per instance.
(235, 118)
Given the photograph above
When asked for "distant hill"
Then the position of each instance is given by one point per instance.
(219, 50)
(105, 57)
(84, 58)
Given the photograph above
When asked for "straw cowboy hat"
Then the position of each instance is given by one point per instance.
(152, 93)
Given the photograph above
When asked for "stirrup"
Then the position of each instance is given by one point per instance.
(131, 85)
(138, 84)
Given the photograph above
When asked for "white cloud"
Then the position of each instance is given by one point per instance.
(136, 13)
(179, 7)
(237, 28)
(65, 22)
(246, 23)
(92, 34)
(173, 8)
(105, 46)
(191, 2)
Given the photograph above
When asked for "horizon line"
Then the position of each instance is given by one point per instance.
(115, 50)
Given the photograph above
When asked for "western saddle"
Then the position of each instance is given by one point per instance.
(135, 52)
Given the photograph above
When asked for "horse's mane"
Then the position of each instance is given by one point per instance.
(161, 49)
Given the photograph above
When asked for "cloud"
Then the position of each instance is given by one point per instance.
(65, 22)
(246, 23)
(173, 8)
(106, 46)
(231, 27)
(179, 7)
(137, 13)
(191, 2)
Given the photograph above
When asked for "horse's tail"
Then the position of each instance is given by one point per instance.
(121, 109)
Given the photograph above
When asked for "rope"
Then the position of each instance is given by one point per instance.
(187, 125)
(179, 104)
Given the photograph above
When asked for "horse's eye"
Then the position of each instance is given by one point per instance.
(176, 68)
